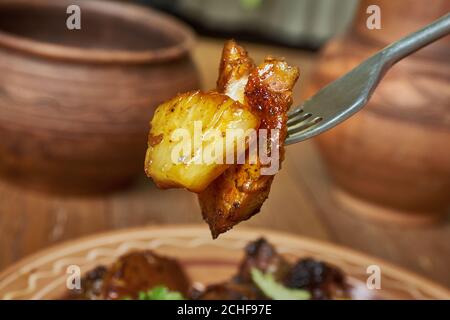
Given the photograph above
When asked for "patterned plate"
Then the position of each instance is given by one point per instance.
(44, 274)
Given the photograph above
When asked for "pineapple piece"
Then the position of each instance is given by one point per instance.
(187, 145)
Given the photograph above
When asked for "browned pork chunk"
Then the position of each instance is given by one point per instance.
(241, 190)
(320, 279)
(131, 274)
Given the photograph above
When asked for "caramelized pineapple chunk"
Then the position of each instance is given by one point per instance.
(187, 142)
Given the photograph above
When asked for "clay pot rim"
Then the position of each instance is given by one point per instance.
(146, 16)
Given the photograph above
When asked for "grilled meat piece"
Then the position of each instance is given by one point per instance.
(260, 254)
(141, 271)
(235, 67)
(130, 274)
(322, 280)
(91, 285)
(241, 190)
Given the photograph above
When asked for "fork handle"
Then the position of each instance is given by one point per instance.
(419, 39)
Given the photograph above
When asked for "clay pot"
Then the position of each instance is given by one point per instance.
(392, 160)
(75, 104)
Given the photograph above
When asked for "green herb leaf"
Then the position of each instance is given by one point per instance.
(272, 289)
(159, 293)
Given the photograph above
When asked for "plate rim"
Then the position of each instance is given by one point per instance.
(249, 233)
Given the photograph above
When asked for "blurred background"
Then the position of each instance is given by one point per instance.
(305, 24)
(75, 107)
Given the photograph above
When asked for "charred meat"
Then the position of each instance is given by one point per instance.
(321, 280)
(141, 271)
(131, 274)
(241, 190)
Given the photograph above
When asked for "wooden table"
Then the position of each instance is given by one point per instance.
(299, 203)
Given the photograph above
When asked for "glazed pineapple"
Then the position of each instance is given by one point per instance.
(183, 138)
(247, 97)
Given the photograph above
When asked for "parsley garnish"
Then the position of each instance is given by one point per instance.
(159, 293)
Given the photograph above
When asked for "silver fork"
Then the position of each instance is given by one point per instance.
(342, 98)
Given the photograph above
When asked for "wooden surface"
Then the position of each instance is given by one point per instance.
(299, 203)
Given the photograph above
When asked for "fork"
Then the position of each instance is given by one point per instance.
(342, 98)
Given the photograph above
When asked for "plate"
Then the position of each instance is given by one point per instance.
(44, 274)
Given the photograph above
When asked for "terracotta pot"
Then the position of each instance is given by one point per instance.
(75, 104)
(392, 160)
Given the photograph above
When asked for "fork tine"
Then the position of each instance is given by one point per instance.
(292, 113)
(300, 126)
(299, 117)
(303, 134)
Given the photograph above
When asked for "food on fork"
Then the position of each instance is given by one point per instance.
(247, 97)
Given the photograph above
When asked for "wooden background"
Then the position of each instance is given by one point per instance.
(299, 203)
